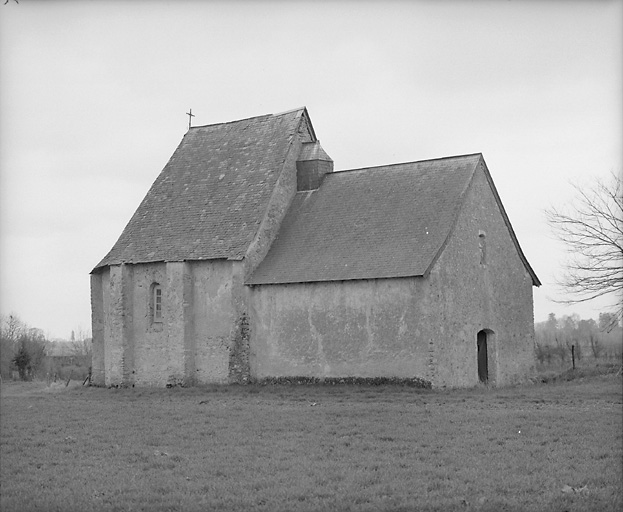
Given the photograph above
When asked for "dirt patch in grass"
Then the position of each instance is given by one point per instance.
(312, 447)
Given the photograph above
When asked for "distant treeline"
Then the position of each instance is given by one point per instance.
(589, 338)
(27, 354)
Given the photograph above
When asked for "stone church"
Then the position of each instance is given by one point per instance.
(251, 258)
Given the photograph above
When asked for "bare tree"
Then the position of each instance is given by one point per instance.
(11, 327)
(81, 342)
(11, 330)
(21, 347)
(592, 230)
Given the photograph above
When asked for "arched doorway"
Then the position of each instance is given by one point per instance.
(483, 359)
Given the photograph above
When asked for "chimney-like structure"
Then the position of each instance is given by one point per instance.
(312, 165)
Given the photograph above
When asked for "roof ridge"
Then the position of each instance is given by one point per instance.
(249, 118)
(407, 163)
(275, 192)
(289, 111)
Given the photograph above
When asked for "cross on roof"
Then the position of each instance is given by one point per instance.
(190, 117)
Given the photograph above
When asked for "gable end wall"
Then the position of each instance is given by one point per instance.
(470, 297)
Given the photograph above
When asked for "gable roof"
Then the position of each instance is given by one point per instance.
(211, 196)
(380, 222)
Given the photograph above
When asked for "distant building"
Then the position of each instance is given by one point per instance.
(61, 355)
(250, 258)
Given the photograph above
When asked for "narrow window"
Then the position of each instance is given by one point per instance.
(482, 244)
(156, 302)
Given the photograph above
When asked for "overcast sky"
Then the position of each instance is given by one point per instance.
(93, 97)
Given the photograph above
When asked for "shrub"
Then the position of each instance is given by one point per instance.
(22, 362)
(415, 382)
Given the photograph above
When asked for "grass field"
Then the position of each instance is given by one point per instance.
(300, 448)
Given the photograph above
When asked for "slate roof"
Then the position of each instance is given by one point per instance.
(380, 222)
(211, 196)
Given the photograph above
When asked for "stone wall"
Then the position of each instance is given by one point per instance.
(214, 318)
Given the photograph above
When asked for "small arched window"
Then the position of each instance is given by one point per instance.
(482, 244)
(156, 302)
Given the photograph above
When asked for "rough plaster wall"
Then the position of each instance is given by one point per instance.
(238, 334)
(151, 352)
(118, 320)
(99, 281)
(469, 297)
(191, 345)
(176, 313)
(335, 329)
(213, 319)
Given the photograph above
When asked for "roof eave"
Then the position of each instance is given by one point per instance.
(331, 280)
(101, 266)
